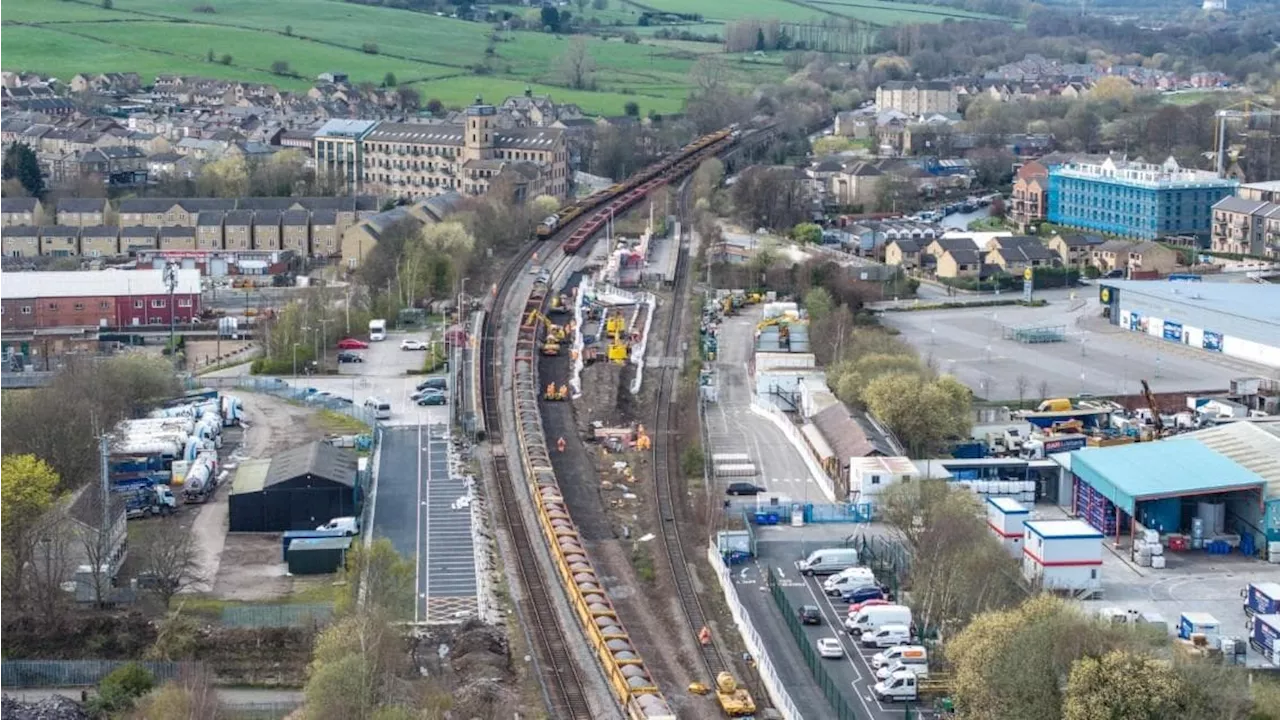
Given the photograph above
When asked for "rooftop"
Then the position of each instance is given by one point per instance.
(1126, 474)
(251, 476)
(1008, 506)
(1251, 311)
(318, 458)
(1062, 529)
(1168, 174)
(345, 128)
(95, 283)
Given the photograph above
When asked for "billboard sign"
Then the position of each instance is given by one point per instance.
(1172, 331)
(1212, 341)
(1064, 444)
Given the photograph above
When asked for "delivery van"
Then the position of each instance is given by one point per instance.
(873, 618)
(848, 579)
(921, 670)
(828, 561)
(887, 636)
(898, 686)
(381, 409)
(906, 654)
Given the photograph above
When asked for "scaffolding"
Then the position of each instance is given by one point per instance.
(1037, 334)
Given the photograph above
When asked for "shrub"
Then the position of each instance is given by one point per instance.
(125, 684)
(370, 47)
(225, 59)
(205, 8)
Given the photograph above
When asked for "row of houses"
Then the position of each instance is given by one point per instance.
(983, 255)
(1248, 223)
(165, 212)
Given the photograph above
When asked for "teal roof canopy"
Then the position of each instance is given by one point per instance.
(1128, 474)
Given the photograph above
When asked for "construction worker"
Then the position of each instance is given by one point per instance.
(560, 444)
(704, 635)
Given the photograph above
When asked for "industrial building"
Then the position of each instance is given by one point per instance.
(1135, 199)
(1219, 483)
(1005, 517)
(101, 298)
(1237, 320)
(1062, 555)
(298, 489)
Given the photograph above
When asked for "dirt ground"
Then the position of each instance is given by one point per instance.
(203, 353)
(249, 566)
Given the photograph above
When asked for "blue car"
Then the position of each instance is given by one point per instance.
(862, 594)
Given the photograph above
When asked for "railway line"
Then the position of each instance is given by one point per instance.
(629, 679)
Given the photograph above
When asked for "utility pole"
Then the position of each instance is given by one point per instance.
(171, 282)
(104, 456)
(324, 341)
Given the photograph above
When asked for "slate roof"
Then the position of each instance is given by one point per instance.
(238, 217)
(210, 218)
(81, 205)
(18, 204)
(1081, 240)
(100, 231)
(177, 232)
(295, 217)
(319, 459)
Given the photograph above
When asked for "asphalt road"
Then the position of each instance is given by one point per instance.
(446, 571)
(734, 428)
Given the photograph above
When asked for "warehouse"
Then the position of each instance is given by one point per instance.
(1237, 320)
(298, 489)
(1165, 486)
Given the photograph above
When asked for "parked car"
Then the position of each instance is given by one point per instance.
(352, 344)
(350, 356)
(830, 647)
(862, 594)
(434, 383)
(433, 399)
(412, 345)
(743, 488)
(810, 615)
(855, 608)
(424, 392)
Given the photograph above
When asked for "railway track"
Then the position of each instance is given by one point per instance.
(565, 689)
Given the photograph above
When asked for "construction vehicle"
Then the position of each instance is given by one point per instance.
(726, 305)
(559, 304)
(554, 332)
(555, 393)
(615, 326)
(551, 347)
(1156, 420)
(734, 699)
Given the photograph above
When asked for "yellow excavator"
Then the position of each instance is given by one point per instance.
(555, 332)
(556, 393)
(615, 325)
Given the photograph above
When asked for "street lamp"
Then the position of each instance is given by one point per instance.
(295, 362)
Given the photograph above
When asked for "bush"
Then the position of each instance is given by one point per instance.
(125, 684)
(206, 9)
(225, 59)
(370, 47)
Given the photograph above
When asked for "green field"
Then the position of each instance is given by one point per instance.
(878, 12)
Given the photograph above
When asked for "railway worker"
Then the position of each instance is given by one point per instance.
(560, 444)
(704, 635)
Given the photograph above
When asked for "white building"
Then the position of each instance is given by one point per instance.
(869, 476)
(1062, 554)
(1005, 517)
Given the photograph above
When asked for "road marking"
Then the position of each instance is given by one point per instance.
(417, 540)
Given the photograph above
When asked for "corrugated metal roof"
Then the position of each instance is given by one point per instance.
(318, 458)
(95, 283)
(1125, 474)
(250, 477)
(1248, 445)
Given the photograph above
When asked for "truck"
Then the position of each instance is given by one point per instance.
(147, 500)
(377, 330)
(733, 698)
(1262, 598)
(201, 478)
(1264, 636)
(1039, 448)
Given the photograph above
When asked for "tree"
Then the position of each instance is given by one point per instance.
(924, 414)
(760, 40)
(389, 80)
(288, 30)
(226, 177)
(997, 208)
(170, 556)
(807, 233)
(577, 66)
(20, 164)
(1043, 389)
(191, 696)
(107, 4)
(369, 48)
(707, 178)
(707, 74)
(1083, 125)
(550, 18)
(280, 175)
(1021, 384)
(408, 97)
(352, 668)
(225, 59)
(122, 687)
(380, 576)
(1122, 685)
(26, 496)
(632, 108)
(582, 5)
(818, 303)
(435, 107)
(209, 57)
(1114, 89)
(544, 205)
(280, 67)
(770, 197)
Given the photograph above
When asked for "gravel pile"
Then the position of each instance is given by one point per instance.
(57, 707)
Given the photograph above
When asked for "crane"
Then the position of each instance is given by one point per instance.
(1230, 113)
(1155, 409)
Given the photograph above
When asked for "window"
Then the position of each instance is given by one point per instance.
(138, 304)
(184, 302)
(157, 304)
(104, 306)
(155, 320)
(53, 306)
(79, 307)
(26, 309)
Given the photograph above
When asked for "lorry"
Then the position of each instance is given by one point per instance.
(1261, 598)
(1264, 636)
(1041, 447)
(733, 698)
(147, 500)
(201, 478)
(377, 330)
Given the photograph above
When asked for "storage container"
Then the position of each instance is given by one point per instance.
(1197, 622)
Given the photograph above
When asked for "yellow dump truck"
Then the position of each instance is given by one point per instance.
(734, 699)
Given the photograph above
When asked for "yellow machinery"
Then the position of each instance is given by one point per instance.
(556, 393)
(551, 348)
(642, 439)
(734, 699)
(726, 305)
(559, 304)
(555, 332)
(615, 326)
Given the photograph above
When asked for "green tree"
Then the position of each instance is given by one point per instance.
(381, 576)
(707, 178)
(632, 108)
(352, 667)
(280, 67)
(924, 414)
(544, 205)
(20, 164)
(550, 18)
(119, 690)
(389, 80)
(27, 492)
(759, 39)
(818, 303)
(1122, 685)
(227, 177)
(807, 233)
(225, 59)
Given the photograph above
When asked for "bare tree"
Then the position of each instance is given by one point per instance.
(96, 544)
(707, 74)
(170, 557)
(577, 66)
(1021, 384)
(50, 566)
(1043, 389)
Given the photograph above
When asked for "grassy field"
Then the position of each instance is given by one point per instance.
(879, 12)
(452, 60)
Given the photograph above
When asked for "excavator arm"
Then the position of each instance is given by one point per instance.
(1155, 409)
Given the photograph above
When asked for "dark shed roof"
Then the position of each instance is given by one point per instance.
(319, 459)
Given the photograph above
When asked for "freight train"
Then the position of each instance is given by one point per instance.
(636, 186)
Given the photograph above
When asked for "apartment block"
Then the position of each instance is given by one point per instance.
(1249, 222)
(917, 97)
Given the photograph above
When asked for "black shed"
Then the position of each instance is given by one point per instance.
(298, 489)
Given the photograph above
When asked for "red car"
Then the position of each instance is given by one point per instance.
(352, 344)
(856, 607)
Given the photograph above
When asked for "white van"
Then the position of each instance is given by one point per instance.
(347, 525)
(906, 654)
(380, 408)
(828, 561)
(921, 670)
(849, 579)
(377, 330)
(875, 617)
(887, 636)
(899, 686)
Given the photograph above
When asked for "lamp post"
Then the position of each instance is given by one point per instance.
(171, 283)
(295, 363)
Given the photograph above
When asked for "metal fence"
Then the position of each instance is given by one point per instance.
(275, 616)
(831, 688)
(281, 388)
(78, 673)
(260, 711)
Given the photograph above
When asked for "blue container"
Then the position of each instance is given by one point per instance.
(1263, 599)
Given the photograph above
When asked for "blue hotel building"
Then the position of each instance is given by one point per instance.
(1132, 199)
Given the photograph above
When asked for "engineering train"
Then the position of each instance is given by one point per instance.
(641, 182)
(630, 680)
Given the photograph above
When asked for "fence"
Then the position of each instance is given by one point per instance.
(283, 389)
(275, 616)
(78, 673)
(798, 442)
(755, 644)
(260, 711)
(832, 689)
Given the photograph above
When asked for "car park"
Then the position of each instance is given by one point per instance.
(810, 615)
(870, 619)
(410, 344)
(905, 654)
(838, 585)
(920, 669)
(828, 561)
(899, 686)
(743, 488)
(352, 344)
(350, 356)
(829, 647)
(856, 608)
